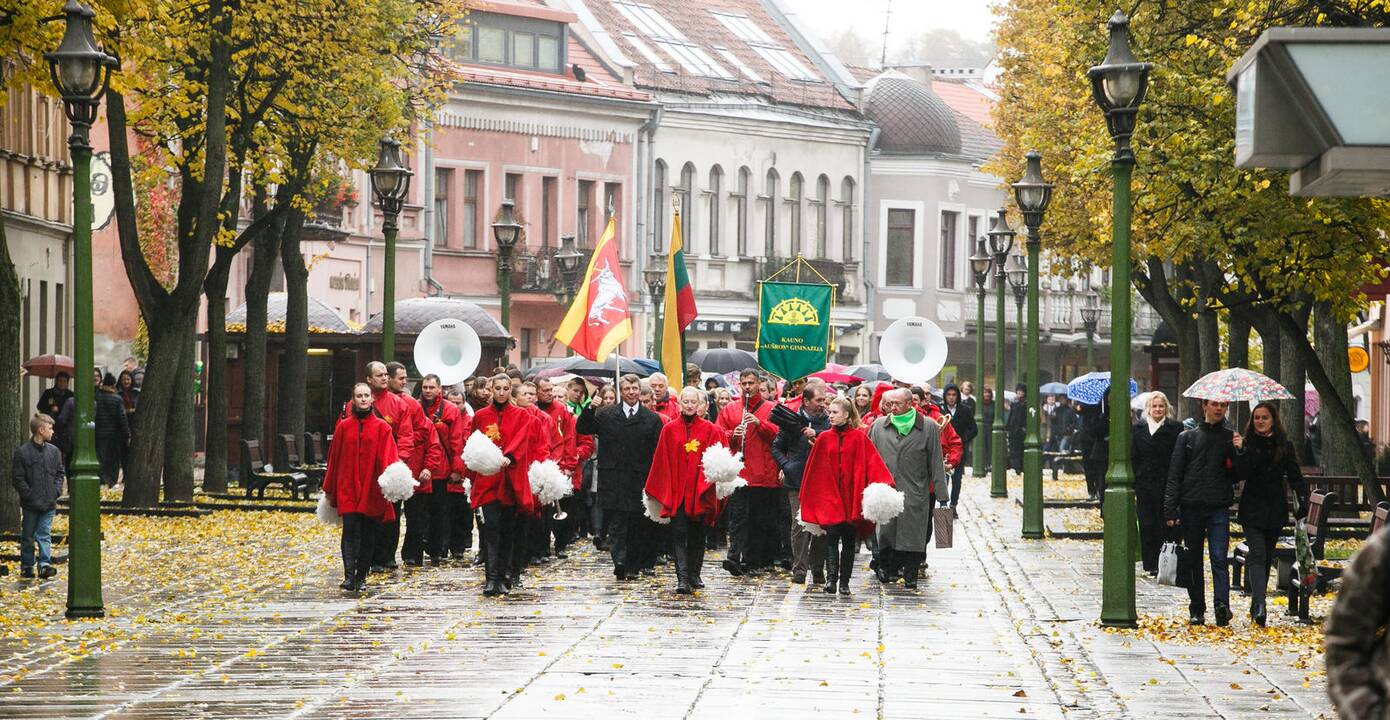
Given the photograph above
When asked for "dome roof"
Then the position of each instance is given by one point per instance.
(414, 314)
(912, 119)
(322, 318)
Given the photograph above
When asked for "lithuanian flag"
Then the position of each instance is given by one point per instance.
(678, 306)
(598, 319)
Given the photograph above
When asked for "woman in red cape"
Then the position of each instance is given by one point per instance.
(842, 463)
(677, 481)
(361, 450)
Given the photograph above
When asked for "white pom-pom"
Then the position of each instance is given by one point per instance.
(267, 469)
(481, 455)
(327, 514)
(723, 490)
(881, 503)
(548, 482)
(653, 509)
(721, 466)
(397, 484)
(812, 528)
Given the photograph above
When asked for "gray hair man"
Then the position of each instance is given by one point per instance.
(910, 445)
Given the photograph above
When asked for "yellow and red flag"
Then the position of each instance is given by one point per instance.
(598, 320)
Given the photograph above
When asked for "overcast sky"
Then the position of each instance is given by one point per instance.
(971, 18)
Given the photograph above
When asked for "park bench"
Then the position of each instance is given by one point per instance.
(288, 457)
(256, 477)
(1304, 582)
(313, 448)
(1067, 461)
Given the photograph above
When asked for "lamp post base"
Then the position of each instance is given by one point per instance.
(1032, 491)
(1121, 536)
(999, 462)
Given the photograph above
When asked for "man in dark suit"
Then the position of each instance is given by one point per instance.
(626, 434)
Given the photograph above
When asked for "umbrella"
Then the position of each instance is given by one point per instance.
(1053, 388)
(1090, 389)
(833, 377)
(724, 360)
(1237, 384)
(870, 372)
(578, 365)
(48, 366)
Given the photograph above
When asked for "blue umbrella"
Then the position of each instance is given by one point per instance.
(1090, 389)
(1053, 388)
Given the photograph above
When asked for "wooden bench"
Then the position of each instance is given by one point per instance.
(1304, 582)
(313, 448)
(1054, 459)
(1380, 516)
(287, 456)
(256, 477)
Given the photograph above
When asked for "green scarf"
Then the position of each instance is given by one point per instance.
(904, 422)
(577, 408)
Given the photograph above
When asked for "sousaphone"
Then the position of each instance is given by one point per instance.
(913, 350)
(448, 348)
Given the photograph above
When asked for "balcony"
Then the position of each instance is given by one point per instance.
(839, 274)
(535, 270)
(1059, 311)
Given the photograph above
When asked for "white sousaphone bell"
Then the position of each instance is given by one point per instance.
(913, 349)
(448, 348)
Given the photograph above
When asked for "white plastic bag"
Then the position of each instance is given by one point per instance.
(1168, 564)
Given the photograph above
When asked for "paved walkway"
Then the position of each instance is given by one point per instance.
(1001, 628)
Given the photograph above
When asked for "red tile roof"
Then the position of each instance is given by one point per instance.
(598, 82)
(966, 100)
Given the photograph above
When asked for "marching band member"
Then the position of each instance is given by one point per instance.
(677, 482)
(504, 497)
(361, 450)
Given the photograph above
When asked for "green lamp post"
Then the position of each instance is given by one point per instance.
(980, 263)
(1001, 240)
(80, 70)
(506, 231)
(1033, 194)
(390, 183)
(1018, 283)
(1118, 85)
(1090, 318)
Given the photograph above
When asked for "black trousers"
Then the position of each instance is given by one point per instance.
(388, 537)
(1094, 467)
(499, 523)
(1148, 502)
(784, 526)
(110, 451)
(757, 535)
(687, 546)
(1261, 542)
(841, 544)
(629, 539)
(460, 523)
(426, 523)
(956, 476)
(359, 535)
(900, 562)
(565, 531)
(736, 515)
(538, 534)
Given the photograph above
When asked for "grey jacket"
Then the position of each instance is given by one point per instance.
(919, 471)
(37, 472)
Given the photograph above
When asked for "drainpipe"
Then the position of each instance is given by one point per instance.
(646, 159)
(870, 289)
(434, 289)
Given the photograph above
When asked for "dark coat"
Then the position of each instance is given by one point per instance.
(51, 401)
(1264, 499)
(1095, 433)
(37, 473)
(963, 422)
(790, 449)
(1202, 471)
(1152, 455)
(1061, 422)
(110, 416)
(625, 450)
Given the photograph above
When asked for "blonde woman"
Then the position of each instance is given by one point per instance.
(1151, 449)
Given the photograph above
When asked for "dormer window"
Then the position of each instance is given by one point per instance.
(510, 41)
(781, 60)
(659, 32)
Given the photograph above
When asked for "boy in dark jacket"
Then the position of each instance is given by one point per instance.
(37, 471)
(1198, 496)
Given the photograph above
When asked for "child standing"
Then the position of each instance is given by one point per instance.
(37, 469)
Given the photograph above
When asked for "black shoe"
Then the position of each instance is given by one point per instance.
(47, 571)
(415, 562)
(882, 575)
(435, 562)
(1197, 619)
(732, 566)
(1259, 619)
(684, 587)
(1223, 616)
(697, 583)
(910, 583)
(346, 584)
(26, 573)
(391, 565)
(490, 588)
(818, 578)
(358, 586)
(785, 564)
(479, 559)
(844, 587)
(648, 572)
(799, 578)
(378, 568)
(829, 588)
(561, 555)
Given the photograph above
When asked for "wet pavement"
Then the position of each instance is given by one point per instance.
(1000, 628)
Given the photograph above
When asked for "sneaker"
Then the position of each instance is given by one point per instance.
(732, 566)
(49, 571)
(26, 573)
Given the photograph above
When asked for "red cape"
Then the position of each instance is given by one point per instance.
(566, 452)
(759, 469)
(515, 432)
(840, 466)
(452, 428)
(361, 450)
(391, 409)
(677, 476)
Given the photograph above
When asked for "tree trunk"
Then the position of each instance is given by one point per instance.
(1271, 344)
(169, 332)
(1238, 337)
(1292, 373)
(12, 427)
(1339, 448)
(1209, 341)
(294, 364)
(180, 440)
(215, 382)
(265, 253)
(1156, 289)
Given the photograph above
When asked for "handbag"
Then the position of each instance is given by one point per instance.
(1168, 563)
(942, 518)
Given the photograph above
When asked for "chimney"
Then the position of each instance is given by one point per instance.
(920, 72)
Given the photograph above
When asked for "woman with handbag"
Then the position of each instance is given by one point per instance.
(1151, 450)
(1266, 463)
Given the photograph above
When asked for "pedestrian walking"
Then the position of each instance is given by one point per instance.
(962, 420)
(790, 449)
(1017, 427)
(112, 432)
(986, 415)
(504, 496)
(842, 463)
(36, 469)
(676, 481)
(424, 454)
(1267, 464)
(391, 408)
(460, 512)
(1197, 499)
(361, 451)
(566, 454)
(1094, 443)
(910, 446)
(51, 400)
(753, 541)
(450, 431)
(1151, 450)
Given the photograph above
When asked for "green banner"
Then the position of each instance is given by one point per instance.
(794, 327)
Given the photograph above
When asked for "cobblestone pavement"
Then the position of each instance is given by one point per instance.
(1000, 628)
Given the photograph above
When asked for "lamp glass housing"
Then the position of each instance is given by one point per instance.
(1001, 236)
(980, 261)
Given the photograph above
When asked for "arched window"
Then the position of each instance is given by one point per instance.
(740, 198)
(659, 206)
(818, 207)
(770, 200)
(685, 193)
(794, 196)
(715, 189)
(847, 217)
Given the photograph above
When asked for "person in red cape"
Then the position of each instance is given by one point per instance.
(532, 544)
(412, 425)
(842, 463)
(391, 408)
(504, 497)
(444, 460)
(753, 539)
(677, 481)
(361, 450)
(425, 458)
(566, 454)
(663, 403)
(459, 511)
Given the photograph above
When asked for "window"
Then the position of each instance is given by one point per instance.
(61, 311)
(512, 188)
(770, 50)
(525, 43)
(523, 50)
(583, 215)
(443, 180)
(794, 204)
(847, 218)
(548, 53)
(683, 193)
(819, 210)
(659, 206)
(43, 316)
(462, 47)
(472, 179)
(741, 210)
(770, 214)
(733, 60)
(548, 211)
(972, 234)
(647, 53)
(716, 182)
(898, 260)
(691, 57)
(949, 222)
(492, 45)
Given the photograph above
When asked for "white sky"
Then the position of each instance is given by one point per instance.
(971, 18)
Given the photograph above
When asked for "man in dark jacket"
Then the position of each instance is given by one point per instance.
(626, 435)
(112, 430)
(1017, 426)
(962, 418)
(1198, 496)
(790, 449)
(1094, 444)
(37, 472)
(1358, 664)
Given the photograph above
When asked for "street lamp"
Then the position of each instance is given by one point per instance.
(1018, 282)
(568, 259)
(1118, 85)
(1090, 317)
(79, 71)
(1033, 194)
(390, 183)
(655, 275)
(980, 264)
(1001, 240)
(506, 231)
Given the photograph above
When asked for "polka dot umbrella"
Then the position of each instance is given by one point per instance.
(1237, 385)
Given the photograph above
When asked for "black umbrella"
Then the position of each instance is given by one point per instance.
(578, 365)
(870, 372)
(724, 360)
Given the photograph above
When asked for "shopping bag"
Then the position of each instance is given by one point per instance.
(942, 517)
(1168, 564)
